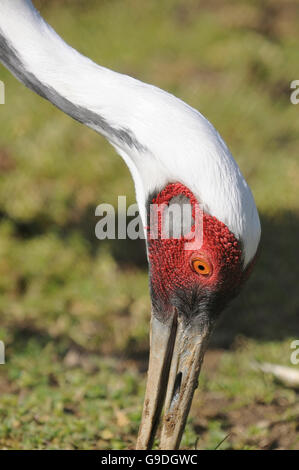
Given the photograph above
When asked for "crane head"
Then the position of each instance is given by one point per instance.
(196, 267)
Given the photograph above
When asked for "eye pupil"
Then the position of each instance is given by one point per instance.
(201, 267)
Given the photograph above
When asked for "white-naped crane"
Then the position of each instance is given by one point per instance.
(175, 156)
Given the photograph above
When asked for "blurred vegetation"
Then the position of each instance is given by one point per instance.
(74, 311)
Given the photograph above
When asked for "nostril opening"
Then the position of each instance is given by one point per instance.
(176, 389)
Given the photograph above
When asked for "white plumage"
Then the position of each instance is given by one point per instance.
(160, 137)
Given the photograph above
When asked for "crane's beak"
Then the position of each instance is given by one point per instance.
(177, 348)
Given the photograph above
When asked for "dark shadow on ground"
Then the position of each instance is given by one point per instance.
(267, 308)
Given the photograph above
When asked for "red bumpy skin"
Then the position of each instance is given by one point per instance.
(171, 268)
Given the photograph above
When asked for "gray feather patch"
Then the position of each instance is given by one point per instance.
(177, 217)
(9, 57)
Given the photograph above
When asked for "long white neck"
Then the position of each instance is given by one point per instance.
(161, 138)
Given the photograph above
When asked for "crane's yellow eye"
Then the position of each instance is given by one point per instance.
(201, 266)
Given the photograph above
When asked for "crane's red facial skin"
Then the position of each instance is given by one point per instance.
(206, 277)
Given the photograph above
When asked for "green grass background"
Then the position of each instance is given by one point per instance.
(75, 311)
